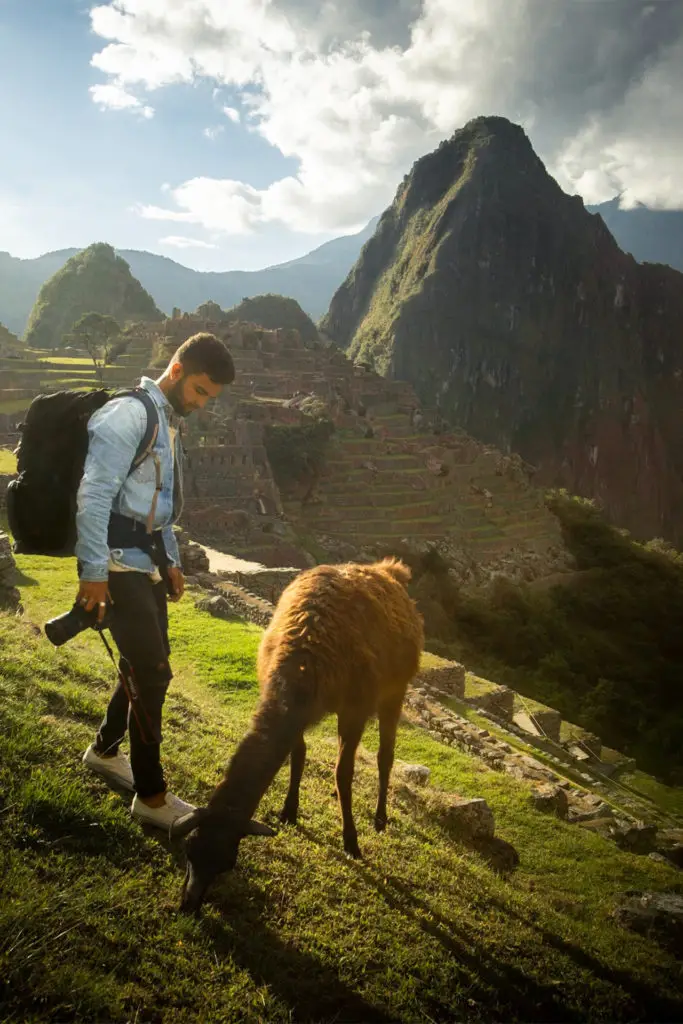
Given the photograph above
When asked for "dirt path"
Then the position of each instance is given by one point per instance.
(219, 561)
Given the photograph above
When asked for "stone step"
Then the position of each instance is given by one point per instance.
(395, 462)
(322, 513)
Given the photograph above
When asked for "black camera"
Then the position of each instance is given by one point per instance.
(70, 624)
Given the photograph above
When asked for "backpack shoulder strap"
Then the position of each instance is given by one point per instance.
(151, 430)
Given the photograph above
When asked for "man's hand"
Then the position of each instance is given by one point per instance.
(177, 581)
(94, 595)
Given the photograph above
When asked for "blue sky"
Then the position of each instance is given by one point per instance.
(73, 172)
(236, 135)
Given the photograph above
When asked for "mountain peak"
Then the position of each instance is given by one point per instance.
(513, 312)
(94, 280)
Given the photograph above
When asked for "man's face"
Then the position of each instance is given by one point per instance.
(191, 392)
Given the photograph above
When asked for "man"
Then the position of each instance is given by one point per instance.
(128, 556)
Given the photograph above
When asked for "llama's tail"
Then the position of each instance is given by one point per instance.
(397, 569)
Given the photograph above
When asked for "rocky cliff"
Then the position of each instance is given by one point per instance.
(94, 280)
(512, 310)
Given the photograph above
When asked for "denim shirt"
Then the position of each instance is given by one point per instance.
(115, 431)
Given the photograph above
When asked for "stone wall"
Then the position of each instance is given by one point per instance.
(448, 679)
(265, 583)
(499, 701)
(547, 722)
(227, 601)
(4, 484)
(10, 598)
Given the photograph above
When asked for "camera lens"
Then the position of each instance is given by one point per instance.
(65, 627)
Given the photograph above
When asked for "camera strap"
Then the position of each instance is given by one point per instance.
(130, 691)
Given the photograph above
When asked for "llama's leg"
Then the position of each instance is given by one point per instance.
(297, 760)
(388, 716)
(350, 730)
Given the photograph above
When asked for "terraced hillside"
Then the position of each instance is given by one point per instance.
(411, 485)
(405, 482)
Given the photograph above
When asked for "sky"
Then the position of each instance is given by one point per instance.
(236, 134)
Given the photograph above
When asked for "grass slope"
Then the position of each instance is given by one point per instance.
(420, 930)
(605, 647)
(8, 461)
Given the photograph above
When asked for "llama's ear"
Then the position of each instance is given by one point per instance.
(257, 828)
(182, 826)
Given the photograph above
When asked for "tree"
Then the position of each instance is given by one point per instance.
(210, 311)
(99, 335)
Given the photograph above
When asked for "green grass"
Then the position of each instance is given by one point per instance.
(8, 461)
(475, 686)
(14, 405)
(422, 929)
(670, 798)
(73, 361)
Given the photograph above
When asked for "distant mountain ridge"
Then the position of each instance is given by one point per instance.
(310, 279)
(651, 236)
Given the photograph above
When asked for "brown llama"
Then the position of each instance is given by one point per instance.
(344, 639)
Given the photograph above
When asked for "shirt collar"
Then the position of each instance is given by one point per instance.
(157, 394)
(152, 388)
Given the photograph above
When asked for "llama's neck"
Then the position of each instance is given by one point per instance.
(257, 760)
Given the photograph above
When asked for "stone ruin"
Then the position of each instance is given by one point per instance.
(394, 473)
(10, 598)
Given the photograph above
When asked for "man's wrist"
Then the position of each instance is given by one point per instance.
(94, 574)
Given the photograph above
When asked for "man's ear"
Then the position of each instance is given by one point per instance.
(175, 371)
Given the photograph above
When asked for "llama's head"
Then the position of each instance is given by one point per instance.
(211, 849)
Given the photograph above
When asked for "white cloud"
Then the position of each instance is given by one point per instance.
(213, 131)
(218, 205)
(159, 213)
(355, 91)
(232, 114)
(114, 96)
(182, 242)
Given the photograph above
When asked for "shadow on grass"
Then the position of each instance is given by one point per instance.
(63, 706)
(648, 1002)
(20, 579)
(503, 987)
(311, 990)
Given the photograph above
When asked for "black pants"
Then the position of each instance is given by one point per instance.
(140, 628)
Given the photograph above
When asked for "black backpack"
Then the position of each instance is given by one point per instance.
(41, 501)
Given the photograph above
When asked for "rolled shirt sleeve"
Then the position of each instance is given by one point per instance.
(171, 546)
(114, 432)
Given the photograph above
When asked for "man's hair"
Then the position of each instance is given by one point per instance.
(205, 353)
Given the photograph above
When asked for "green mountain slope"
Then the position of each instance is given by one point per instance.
(515, 315)
(273, 311)
(94, 280)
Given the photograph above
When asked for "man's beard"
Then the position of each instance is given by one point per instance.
(175, 398)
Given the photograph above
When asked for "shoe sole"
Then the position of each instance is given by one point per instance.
(110, 777)
(153, 822)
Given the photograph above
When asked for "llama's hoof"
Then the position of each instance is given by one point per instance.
(352, 849)
(288, 816)
(380, 824)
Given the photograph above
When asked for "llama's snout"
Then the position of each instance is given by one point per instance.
(211, 850)
(193, 891)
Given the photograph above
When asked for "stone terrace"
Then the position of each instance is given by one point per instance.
(407, 483)
(404, 482)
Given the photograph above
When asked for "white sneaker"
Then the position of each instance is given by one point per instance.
(164, 816)
(115, 769)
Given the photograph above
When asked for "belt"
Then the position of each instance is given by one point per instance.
(125, 532)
